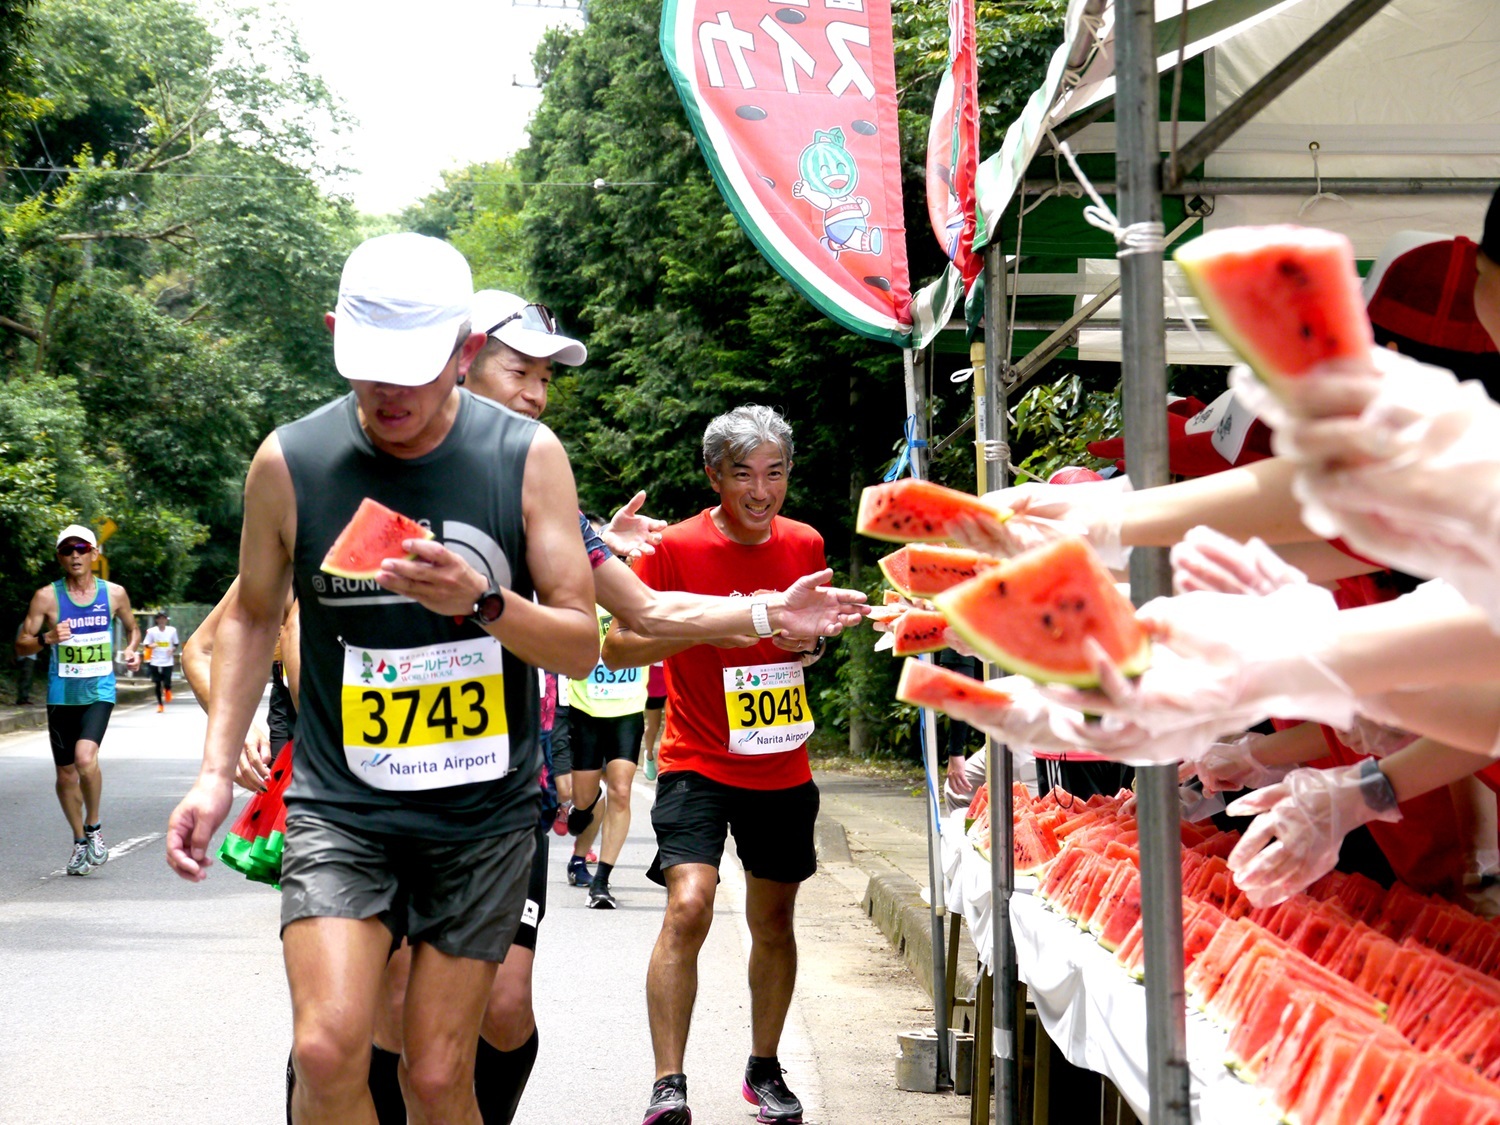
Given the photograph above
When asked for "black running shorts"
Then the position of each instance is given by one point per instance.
(536, 895)
(465, 899)
(773, 828)
(161, 674)
(597, 741)
(70, 724)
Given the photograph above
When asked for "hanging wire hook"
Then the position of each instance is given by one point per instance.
(1318, 193)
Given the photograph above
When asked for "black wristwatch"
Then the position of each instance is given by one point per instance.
(488, 608)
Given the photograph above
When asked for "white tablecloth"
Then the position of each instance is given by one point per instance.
(1092, 1010)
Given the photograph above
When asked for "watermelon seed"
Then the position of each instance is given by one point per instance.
(790, 15)
(859, 125)
(881, 283)
(1001, 588)
(751, 113)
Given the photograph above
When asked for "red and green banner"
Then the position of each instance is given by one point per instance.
(794, 106)
(953, 147)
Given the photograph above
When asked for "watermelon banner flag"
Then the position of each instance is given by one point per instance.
(794, 107)
(953, 151)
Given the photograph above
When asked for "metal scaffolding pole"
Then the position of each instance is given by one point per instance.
(993, 453)
(916, 409)
(1144, 373)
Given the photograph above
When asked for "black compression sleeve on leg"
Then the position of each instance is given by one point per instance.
(385, 1087)
(500, 1079)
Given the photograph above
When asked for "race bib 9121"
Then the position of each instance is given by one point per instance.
(85, 655)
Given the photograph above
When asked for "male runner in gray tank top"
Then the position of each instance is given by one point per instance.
(414, 798)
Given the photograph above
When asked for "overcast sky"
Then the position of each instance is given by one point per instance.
(431, 84)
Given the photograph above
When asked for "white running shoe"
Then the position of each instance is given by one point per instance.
(79, 864)
(98, 854)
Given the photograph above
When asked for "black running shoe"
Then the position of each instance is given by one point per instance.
(668, 1105)
(579, 874)
(600, 898)
(764, 1087)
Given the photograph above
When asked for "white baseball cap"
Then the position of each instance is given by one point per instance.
(402, 300)
(77, 531)
(528, 328)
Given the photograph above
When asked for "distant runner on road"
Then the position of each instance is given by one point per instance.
(76, 614)
(161, 653)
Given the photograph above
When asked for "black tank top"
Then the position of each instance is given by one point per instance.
(364, 649)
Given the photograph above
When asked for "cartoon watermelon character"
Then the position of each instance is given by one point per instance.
(829, 176)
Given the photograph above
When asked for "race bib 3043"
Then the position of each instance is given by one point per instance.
(767, 708)
(425, 718)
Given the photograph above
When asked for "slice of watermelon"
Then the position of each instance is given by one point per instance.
(918, 511)
(372, 536)
(923, 569)
(1032, 614)
(924, 684)
(917, 631)
(1286, 298)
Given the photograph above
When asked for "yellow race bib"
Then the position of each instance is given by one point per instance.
(767, 708)
(425, 718)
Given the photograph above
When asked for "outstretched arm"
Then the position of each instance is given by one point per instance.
(244, 642)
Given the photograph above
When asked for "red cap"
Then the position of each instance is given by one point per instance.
(1422, 287)
(1203, 439)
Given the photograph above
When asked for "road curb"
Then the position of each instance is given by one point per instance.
(893, 901)
(34, 717)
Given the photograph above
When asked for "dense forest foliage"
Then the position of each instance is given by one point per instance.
(166, 253)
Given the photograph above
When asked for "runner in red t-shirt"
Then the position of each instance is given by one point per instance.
(733, 756)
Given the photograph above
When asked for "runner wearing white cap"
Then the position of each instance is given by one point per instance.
(75, 614)
(413, 803)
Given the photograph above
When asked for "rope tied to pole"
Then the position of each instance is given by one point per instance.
(995, 451)
(904, 458)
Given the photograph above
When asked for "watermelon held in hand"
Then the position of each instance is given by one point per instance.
(924, 684)
(918, 511)
(917, 631)
(1286, 298)
(920, 570)
(372, 536)
(1033, 613)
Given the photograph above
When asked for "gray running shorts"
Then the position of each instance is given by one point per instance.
(464, 898)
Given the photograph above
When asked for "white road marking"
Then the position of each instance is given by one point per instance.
(117, 851)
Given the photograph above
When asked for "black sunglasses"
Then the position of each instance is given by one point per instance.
(74, 549)
(538, 318)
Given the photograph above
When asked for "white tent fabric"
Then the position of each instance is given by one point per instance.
(1415, 93)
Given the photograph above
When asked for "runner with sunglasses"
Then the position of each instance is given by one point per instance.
(75, 614)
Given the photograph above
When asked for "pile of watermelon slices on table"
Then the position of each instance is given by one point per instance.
(254, 844)
(1348, 1005)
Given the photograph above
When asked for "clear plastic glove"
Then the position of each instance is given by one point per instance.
(1404, 466)
(1028, 720)
(1230, 765)
(1208, 560)
(1366, 736)
(1295, 840)
(1041, 513)
(1224, 662)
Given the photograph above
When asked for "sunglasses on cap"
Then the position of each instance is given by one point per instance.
(74, 549)
(538, 318)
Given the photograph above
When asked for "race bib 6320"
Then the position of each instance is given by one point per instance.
(425, 718)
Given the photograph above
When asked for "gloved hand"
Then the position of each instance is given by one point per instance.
(1404, 465)
(1295, 839)
(1223, 662)
(1208, 560)
(1041, 513)
(1231, 765)
(1366, 736)
(1030, 721)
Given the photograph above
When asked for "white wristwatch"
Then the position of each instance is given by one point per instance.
(760, 617)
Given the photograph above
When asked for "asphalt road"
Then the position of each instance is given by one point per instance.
(131, 996)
